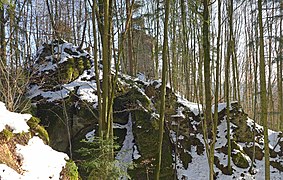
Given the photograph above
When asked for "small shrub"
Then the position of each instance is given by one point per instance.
(99, 162)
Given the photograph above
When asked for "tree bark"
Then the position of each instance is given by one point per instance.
(207, 79)
(163, 89)
(130, 39)
(263, 99)
(2, 37)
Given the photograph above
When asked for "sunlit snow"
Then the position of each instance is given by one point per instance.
(17, 122)
(38, 161)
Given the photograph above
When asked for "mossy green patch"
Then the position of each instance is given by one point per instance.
(130, 101)
(72, 170)
(72, 69)
(240, 160)
(6, 134)
(33, 123)
(80, 65)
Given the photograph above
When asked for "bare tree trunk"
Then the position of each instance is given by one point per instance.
(207, 84)
(156, 48)
(263, 98)
(96, 65)
(106, 72)
(2, 37)
(217, 74)
(163, 89)
(130, 39)
(280, 75)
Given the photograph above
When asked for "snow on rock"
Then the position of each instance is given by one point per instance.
(179, 113)
(40, 161)
(17, 122)
(125, 155)
(51, 62)
(222, 106)
(136, 153)
(90, 135)
(194, 107)
(62, 51)
(141, 77)
(198, 167)
(273, 136)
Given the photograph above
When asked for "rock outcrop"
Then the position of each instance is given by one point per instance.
(66, 104)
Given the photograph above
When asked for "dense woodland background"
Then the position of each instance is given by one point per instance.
(207, 51)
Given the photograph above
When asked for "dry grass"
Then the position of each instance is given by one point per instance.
(8, 153)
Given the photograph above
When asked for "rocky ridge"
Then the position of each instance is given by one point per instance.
(66, 105)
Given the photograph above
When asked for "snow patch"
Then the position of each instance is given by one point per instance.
(125, 155)
(17, 122)
(194, 107)
(40, 161)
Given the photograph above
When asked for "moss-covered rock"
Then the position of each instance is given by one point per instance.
(240, 160)
(186, 158)
(37, 129)
(71, 170)
(131, 100)
(59, 63)
(277, 164)
(146, 139)
(258, 152)
(63, 123)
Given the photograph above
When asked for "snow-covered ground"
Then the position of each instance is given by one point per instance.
(38, 161)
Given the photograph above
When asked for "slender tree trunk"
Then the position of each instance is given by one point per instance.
(207, 84)
(2, 37)
(130, 41)
(96, 65)
(73, 21)
(156, 48)
(227, 75)
(174, 51)
(163, 89)
(263, 98)
(255, 62)
(52, 19)
(280, 75)
(217, 74)
(105, 62)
